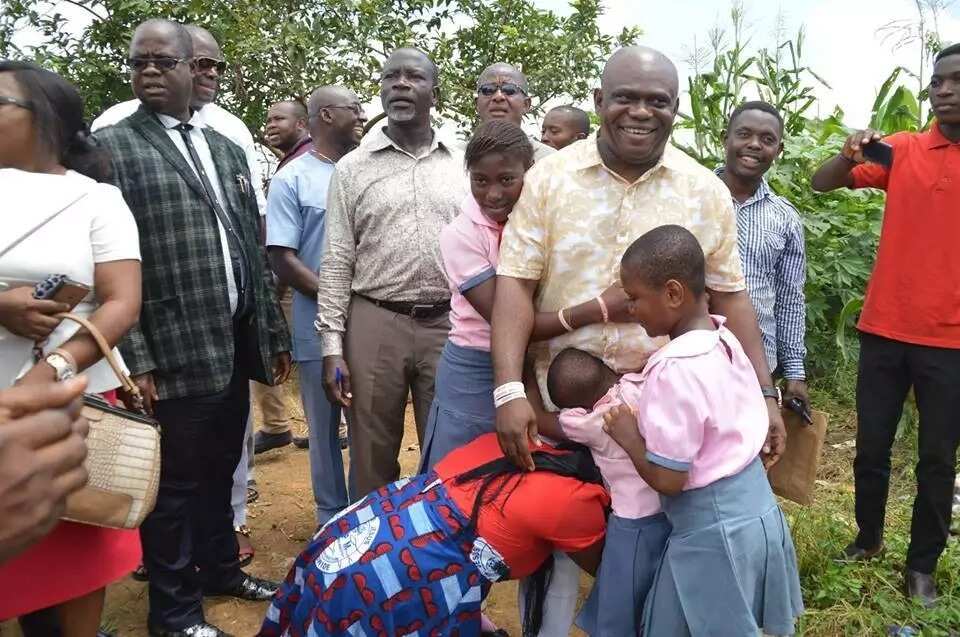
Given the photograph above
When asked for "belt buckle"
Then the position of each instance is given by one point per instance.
(414, 310)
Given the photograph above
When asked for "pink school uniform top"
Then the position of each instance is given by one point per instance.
(630, 496)
(470, 249)
(700, 409)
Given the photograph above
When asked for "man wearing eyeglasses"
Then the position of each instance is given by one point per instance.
(210, 324)
(296, 219)
(503, 93)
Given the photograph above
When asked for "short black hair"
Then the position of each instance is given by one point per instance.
(299, 110)
(580, 117)
(756, 105)
(434, 69)
(498, 136)
(183, 40)
(578, 379)
(953, 49)
(665, 253)
(58, 118)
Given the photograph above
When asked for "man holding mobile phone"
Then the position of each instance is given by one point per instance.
(910, 324)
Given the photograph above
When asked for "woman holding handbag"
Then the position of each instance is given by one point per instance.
(57, 220)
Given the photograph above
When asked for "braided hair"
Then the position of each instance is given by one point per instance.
(498, 136)
(499, 478)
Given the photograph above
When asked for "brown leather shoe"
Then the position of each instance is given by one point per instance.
(853, 553)
(921, 587)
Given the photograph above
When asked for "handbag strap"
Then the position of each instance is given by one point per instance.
(107, 351)
(50, 218)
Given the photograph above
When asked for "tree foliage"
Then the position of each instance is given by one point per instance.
(285, 48)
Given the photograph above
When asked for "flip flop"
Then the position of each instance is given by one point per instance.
(252, 495)
(245, 553)
(140, 573)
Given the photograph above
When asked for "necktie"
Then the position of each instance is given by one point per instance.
(237, 254)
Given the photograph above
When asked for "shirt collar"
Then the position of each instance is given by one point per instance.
(762, 192)
(169, 122)
(299, 145)
(694, 342)
(471, 208)
(377, 140)
(588, 156)
(935, 137)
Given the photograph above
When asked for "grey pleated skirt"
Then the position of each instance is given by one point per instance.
(729, 568)
(630, 557)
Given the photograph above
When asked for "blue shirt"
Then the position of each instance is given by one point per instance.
(296, 214)
(770, 239)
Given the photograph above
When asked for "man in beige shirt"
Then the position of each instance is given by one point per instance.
(579, 211)
(383, 299)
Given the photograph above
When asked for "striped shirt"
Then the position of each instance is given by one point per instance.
(770, 240)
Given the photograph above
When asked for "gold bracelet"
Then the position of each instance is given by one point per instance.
(563, 321)
(603, 309)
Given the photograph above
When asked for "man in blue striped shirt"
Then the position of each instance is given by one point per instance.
(770, 239)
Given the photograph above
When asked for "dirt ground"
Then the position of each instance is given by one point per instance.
(281, 521)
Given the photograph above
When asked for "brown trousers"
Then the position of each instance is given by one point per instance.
(389, 355)
(270, 399)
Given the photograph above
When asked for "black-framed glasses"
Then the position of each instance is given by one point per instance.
(509, 89)
(356, 109)
(162, 64)
(15, 101)
(205, 64)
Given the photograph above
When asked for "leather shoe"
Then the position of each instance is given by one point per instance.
(250, 588)
(301, 442)
(921, 587)
(263, 441)
(853, 553)
(203, 629)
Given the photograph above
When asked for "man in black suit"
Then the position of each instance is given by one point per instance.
(209, 324)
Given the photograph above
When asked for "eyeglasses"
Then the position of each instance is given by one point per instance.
(162, 64)
(356, 109)
(509, 89)
(205, 64)
(5, 99)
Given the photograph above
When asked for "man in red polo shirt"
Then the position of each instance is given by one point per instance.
(910, 324)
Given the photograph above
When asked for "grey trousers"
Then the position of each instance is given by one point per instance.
(326, 459)
(389, 355)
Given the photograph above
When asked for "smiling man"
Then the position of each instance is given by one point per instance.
(910, 324)
(770, 241)
(579, 211)
(504, 93)
(383, 298)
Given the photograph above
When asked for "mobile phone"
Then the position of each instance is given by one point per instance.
(879, 153)
(62, 289)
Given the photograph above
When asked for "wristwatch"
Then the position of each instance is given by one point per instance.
(772, 392)
(63, 368)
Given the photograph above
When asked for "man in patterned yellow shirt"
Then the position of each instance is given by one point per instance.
(580, 209)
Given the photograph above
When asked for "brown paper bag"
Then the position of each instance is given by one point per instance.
(793, 477)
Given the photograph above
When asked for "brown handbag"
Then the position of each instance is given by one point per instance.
(123, 455)
(794, 476)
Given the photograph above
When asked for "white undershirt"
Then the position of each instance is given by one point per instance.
(210, 167)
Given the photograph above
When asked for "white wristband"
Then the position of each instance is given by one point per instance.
(507, 392)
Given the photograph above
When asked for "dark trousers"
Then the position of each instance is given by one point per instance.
(887, 371)
(188, 541)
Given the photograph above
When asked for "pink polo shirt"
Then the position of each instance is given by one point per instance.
(630, 496)
(701, 409)
(470, 248)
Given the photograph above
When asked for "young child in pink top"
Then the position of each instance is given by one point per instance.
(693, 432)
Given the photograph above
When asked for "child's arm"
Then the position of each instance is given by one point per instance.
(620, 423)
(547, 324)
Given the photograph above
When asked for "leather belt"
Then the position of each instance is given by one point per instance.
(413, 310)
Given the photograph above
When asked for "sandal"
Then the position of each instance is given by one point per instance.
(252, 495)
(245, 552)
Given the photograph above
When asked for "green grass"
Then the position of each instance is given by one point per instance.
(862, 599)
